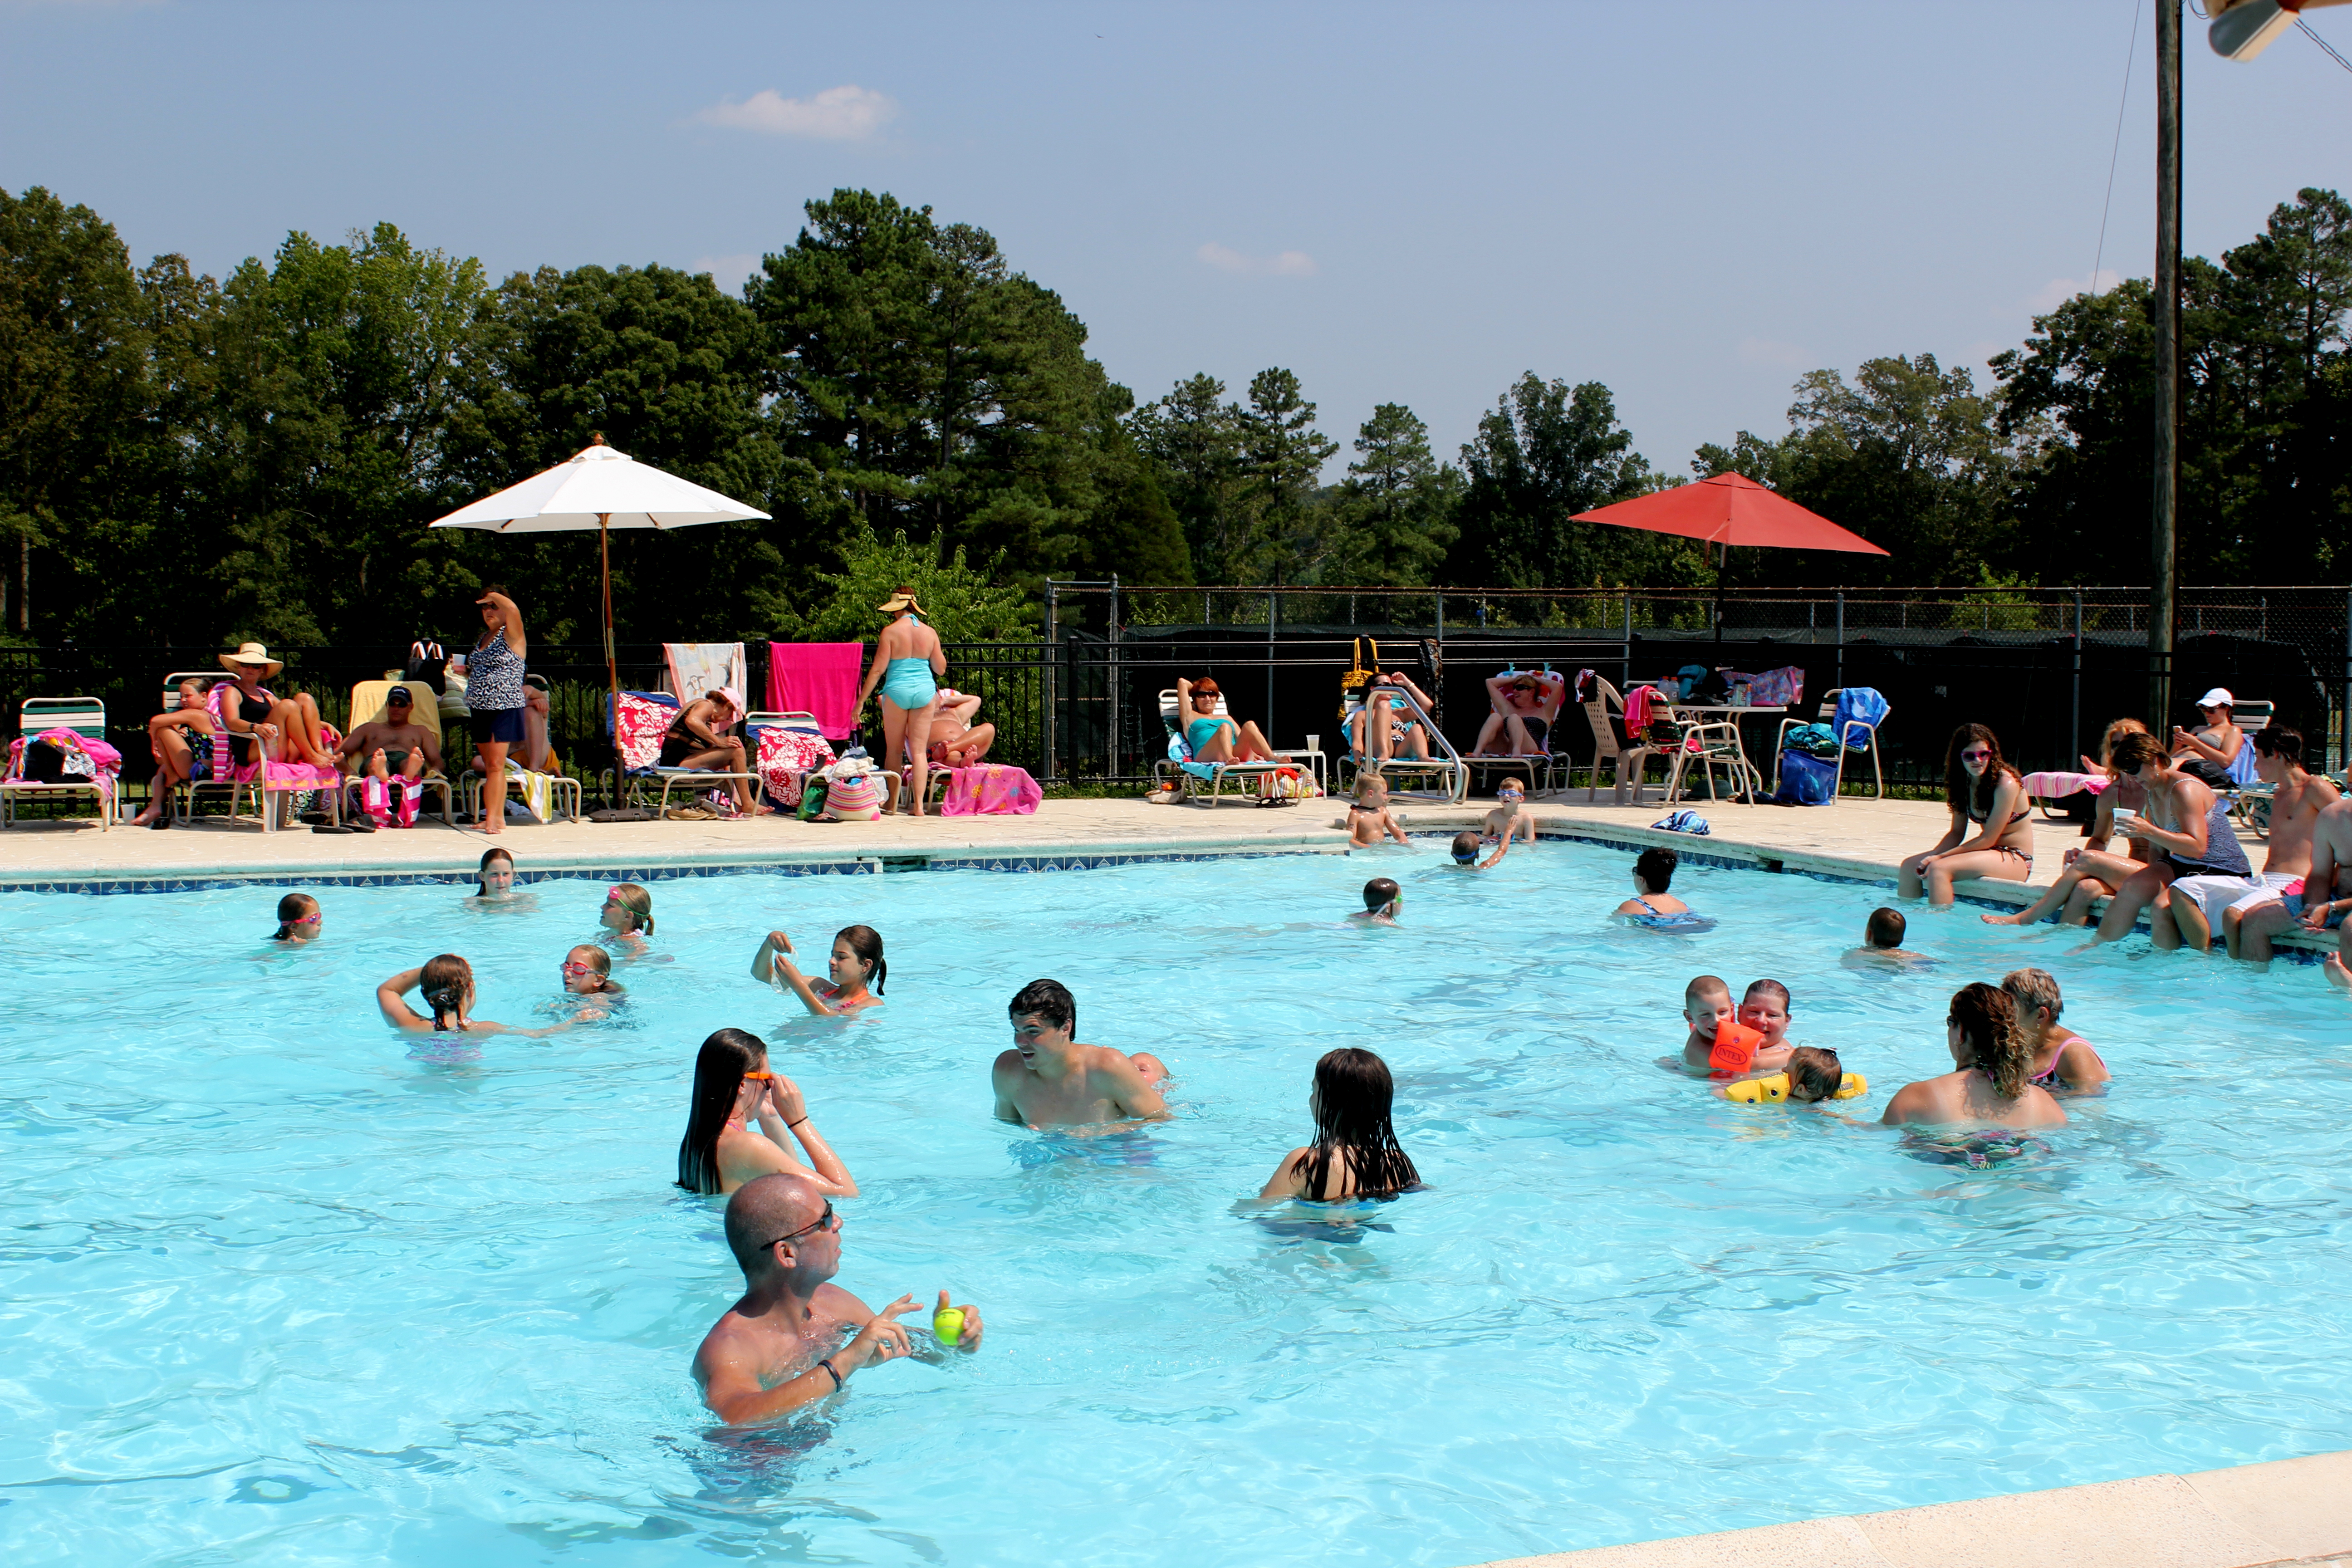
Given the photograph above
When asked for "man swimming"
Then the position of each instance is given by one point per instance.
(1048, 1079)
(1882, 942)
(775, 1349)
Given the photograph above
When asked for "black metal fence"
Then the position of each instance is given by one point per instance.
(2046, 670)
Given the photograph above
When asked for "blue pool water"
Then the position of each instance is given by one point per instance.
(278, 1288)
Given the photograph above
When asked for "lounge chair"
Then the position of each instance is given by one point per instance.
(272, 785)
(815, 750)
(1629, 756)
(1845, 744)
(643, 719)
(1187, 773)
(1710, 741)
(1541, 766)
(1443, 767)
(86, 717)
(367, 707)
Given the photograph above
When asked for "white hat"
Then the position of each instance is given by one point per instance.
(251, 653)
(2218, 698)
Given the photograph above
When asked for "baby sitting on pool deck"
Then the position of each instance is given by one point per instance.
(775, 1349)
(1048, 1079)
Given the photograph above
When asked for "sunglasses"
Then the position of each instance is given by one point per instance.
(1976, 756)
(825, 1221)
(763, 1076)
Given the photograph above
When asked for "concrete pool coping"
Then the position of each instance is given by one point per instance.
(2250, 1516)
(1855, 840)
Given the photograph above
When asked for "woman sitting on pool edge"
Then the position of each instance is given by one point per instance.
(1983, 792)
(1652, 907)
(1993, 1085)
(733, 1088)
(446, 984)
(2093, 872)
(855, 963)
(1355, 1154)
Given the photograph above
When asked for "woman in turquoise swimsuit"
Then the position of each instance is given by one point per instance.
(1214, 737)
(907, 662)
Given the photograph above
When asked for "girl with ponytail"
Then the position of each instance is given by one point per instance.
(299, 919)
(855, 965)
(445, 984)
(1993, 1087)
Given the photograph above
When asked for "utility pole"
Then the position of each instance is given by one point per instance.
(2164, 591)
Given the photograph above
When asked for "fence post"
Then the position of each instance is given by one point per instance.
(1268, 710)
(1441, 617)
(1626, 679)
(1110, 764)
(2344, 756)
(1046, 686)
(2074, 732)
(1841, 640)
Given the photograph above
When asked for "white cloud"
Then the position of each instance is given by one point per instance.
(845, 113)
(2058, 291)
(1764, 351)
(1285, 264)
(728, 271)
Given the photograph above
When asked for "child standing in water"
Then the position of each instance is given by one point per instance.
(1882, 944)
(1368, 820)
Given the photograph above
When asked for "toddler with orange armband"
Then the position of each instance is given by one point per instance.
(1723, 1041)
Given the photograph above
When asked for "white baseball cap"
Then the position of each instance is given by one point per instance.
(2218, 698)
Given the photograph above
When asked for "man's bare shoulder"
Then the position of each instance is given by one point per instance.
(1008, 1066)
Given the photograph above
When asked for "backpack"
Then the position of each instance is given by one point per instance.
(426, 664)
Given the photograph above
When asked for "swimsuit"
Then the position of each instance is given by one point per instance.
(1194, 735)
(253, 710)
(2224, 856)
(908, 682)
(2024, 855)
(2051, 1079)
(494, 676)
(1680, 920)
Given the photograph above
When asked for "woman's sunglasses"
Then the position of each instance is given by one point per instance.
(1976, 756)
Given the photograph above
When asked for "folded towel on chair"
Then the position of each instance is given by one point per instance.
(819, 678)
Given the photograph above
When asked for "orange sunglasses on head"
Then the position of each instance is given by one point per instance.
(768, 1076)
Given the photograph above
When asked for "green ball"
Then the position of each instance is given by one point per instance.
(948, 1323)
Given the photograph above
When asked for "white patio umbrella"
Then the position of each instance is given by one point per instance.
(604, 489)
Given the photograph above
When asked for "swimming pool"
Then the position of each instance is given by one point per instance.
(281, 1287)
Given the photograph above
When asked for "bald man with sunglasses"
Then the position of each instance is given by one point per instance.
(779, 1347)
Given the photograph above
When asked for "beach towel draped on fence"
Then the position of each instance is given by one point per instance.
(698, 668)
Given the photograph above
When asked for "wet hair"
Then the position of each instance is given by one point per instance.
(1814, 1074)
(866, 943)
(1771, 988)
(1048, 999)
(719, 1069)
(1353, 1094)
(1705, 985)
(638, 900)
(2116, 731)
(595, 958)
(1655, 867)
(1379, 892)
(1465, 848)
(1957, 783)
(1987, 1020)
(2031, 988)
(481, 887)
(2133, 753)
(445, 982)
(292, 907)
(2278, 741)
(1885, 929)
(1367, 783)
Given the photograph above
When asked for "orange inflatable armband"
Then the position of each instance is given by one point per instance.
(1735, 1046)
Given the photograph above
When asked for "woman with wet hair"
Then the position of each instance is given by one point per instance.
(732, 1088)
(1994, 1084)
(1355, 1152)
(494, 879)
(446, 986)
(856, 970)
(1991, 834)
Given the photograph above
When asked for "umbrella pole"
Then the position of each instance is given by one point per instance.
(612, 664)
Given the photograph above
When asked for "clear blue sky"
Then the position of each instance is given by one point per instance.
(1692, 203)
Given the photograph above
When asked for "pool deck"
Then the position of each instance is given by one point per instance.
(2289, 1510)
(1855, 838)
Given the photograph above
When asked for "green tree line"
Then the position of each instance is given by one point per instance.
(185, 460)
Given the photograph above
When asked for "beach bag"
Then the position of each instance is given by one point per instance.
(1288, 783)
(426, 665)
(44, 763)
(1805, 780)
(857, 798)
(812, 798)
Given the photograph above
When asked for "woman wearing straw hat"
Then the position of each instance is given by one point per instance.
(286, 728)
(907, 663)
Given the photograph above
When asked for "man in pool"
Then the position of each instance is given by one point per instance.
(1048, 1079)
(779, 1347)
(1882, 942)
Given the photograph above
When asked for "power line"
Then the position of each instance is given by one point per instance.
(2130, 54)
(2323, 43)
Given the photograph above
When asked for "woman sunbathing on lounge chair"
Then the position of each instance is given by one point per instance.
(1517, 696)
(288, 729)
(1214, 736)
(1387, 723)
(697, 738)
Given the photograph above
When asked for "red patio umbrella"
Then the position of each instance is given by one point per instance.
(1727, 510)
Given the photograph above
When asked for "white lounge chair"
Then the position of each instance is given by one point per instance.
(86, 717)
(1187, 774)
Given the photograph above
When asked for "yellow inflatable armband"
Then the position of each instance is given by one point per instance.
(1773, 1088)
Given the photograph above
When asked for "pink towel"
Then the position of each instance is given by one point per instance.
(991, 790)
(819, 678)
